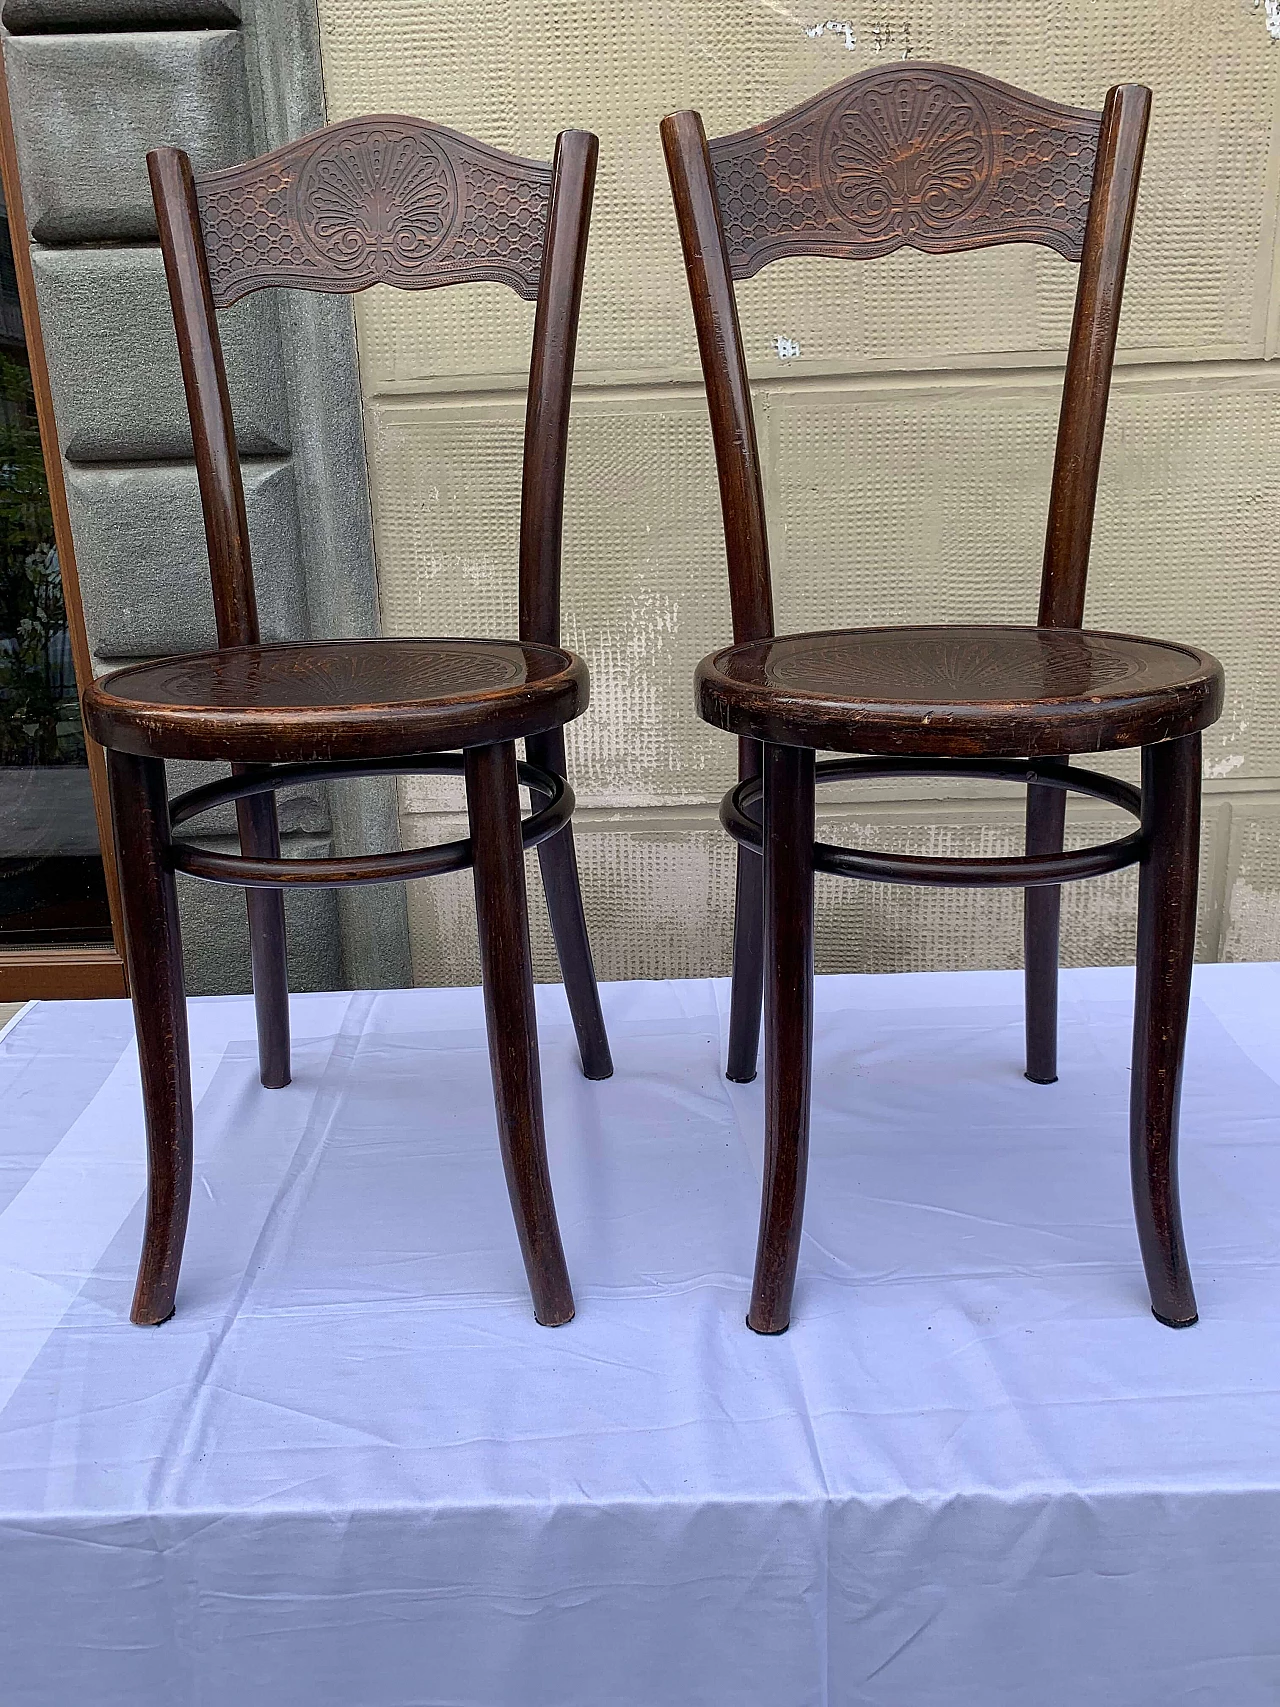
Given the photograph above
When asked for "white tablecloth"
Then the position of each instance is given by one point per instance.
(353, 1471)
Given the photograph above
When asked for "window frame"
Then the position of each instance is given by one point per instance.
(58, 973)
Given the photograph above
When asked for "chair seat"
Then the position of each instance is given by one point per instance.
(1006, 692)
(336, 699)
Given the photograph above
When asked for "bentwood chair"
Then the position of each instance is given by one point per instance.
(941, 159)
(406, 203)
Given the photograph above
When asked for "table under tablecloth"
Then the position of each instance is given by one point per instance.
(354, 1471)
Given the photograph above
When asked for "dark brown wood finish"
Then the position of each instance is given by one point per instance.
(336, 699)
(941, 159)
(227, 534)
(1042, 912)
(153, 948)
(724, 364)
(403, 202)
(558, 863)
(382, 199)
(920, 155)
(546, 440)
(961, 690)
(747, 988)
(494, 809)
(1167, 881)
(788, 1028)
(1091, 355)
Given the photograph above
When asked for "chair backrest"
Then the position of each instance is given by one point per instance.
(934, 158)
(378, 200)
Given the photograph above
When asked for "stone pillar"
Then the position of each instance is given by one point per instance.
(94, 84)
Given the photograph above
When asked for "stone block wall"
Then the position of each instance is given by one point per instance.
(93, 86)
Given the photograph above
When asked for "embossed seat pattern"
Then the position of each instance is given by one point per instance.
(431, 691)
(998, 690)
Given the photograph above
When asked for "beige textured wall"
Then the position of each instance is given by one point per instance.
(907, 447)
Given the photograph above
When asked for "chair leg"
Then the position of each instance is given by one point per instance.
(788, 1027)
(747, 989)
(558, 860)
(493, 804)
(1042, 909)
(1166, 945)
(260, 838)
(153, 953)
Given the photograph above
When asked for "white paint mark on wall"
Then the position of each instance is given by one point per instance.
(881, 33)
(833, 27)
(1253, 923)
(787, 349)
(1224, 766)
(1270, 10)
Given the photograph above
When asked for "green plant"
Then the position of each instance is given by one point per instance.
(39, 710)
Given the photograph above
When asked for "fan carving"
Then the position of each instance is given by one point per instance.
(380, 200)
(923, 155)
(915, 155)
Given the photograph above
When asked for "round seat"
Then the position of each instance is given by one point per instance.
(958, 690)
(336, 699)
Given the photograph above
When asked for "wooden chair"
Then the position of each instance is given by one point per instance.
(941, 159)
(410, 204)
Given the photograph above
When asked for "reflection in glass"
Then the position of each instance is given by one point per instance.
(51, 884)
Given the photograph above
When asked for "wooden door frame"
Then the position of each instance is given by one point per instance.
(52, 973)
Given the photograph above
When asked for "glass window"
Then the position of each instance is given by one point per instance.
(52, 891)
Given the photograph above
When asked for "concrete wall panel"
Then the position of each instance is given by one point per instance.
(926, 502)
(144, 567)
(113, 359)
(87, 109)
(1251, 922)
(644, 593)
(658, 891)
(906, 421)
(1200, 278)
(40, 17)
(215, 929)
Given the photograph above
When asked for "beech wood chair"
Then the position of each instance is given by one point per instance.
(415, 205)
(941, 159)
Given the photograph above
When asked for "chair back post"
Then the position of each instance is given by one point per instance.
(555, 337)
(733, 429)
(1090, 355)
(208, 401)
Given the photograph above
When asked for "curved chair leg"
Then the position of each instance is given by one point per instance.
(747, 989)
(153, 951)
(788, 1028)
(260, 837)
(1042, 909)
(558, 860)
(1166, 945)
(493, 804)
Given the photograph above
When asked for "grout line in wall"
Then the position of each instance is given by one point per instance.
(249, 460)
(1252, 369)
(91, 245)
(1265, 791)
(1215, 901)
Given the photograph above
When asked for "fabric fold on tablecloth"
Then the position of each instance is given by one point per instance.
(352, 1469)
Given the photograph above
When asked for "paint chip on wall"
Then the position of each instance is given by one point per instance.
(1225, 765)
(833, 27)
